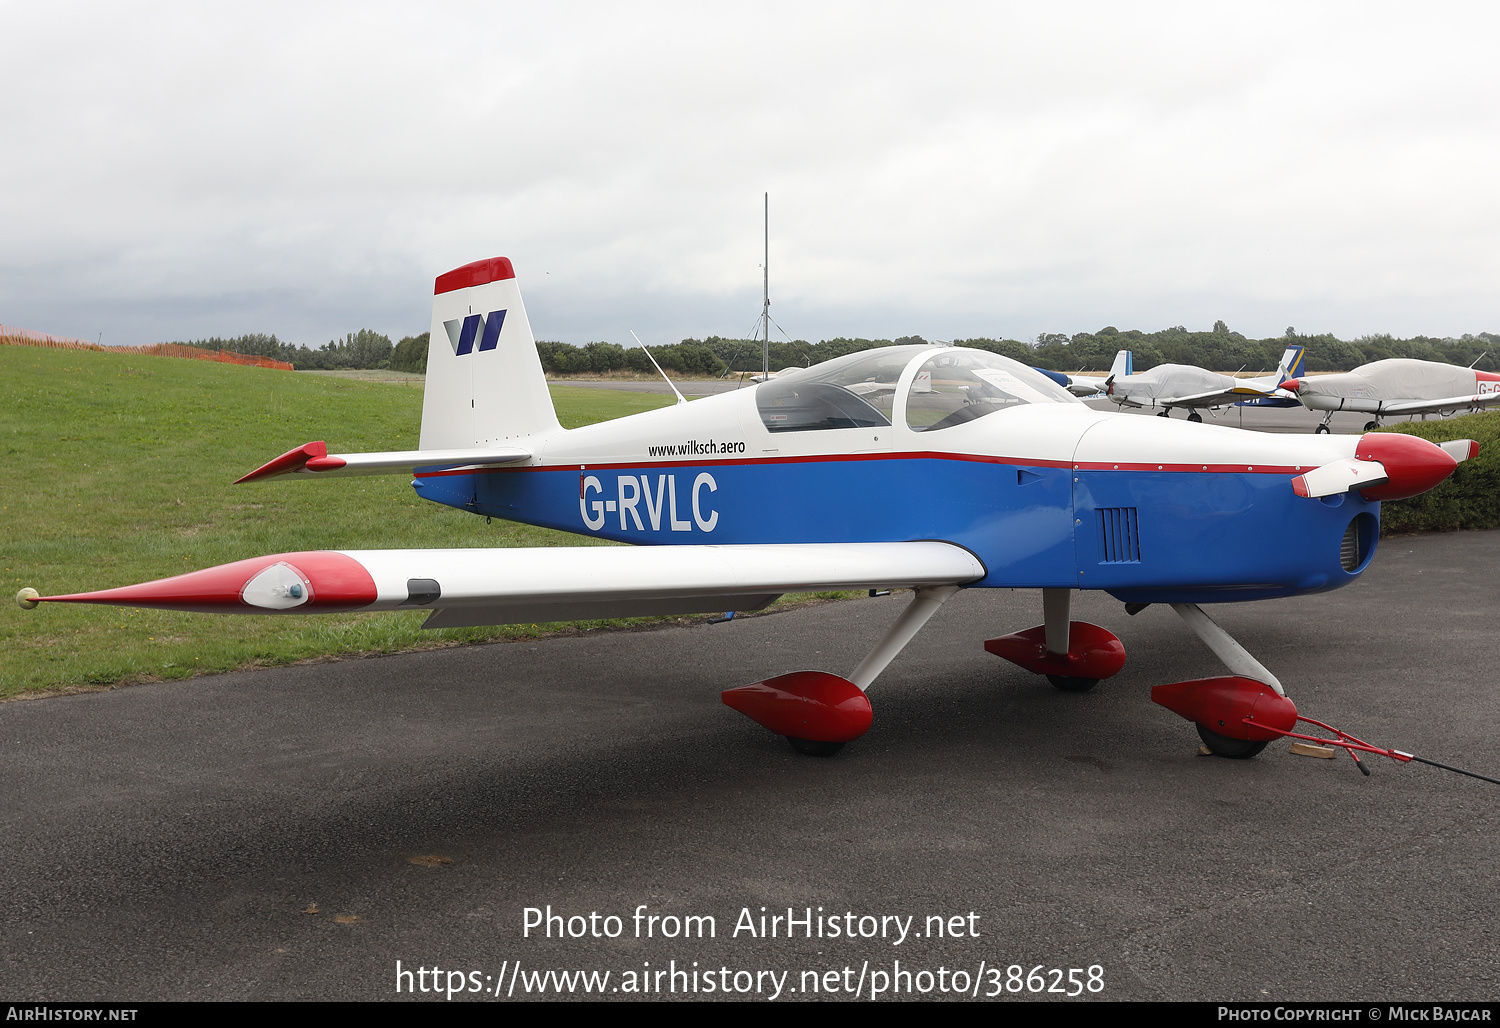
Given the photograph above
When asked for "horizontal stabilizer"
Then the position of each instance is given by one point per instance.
(314, 459)
(1213, 397)
(1340, 477)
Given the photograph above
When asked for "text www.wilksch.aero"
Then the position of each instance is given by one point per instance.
(693, 448)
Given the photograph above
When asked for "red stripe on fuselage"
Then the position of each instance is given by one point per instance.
(1222, 469)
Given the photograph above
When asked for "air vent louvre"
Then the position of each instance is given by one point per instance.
(1349, 555)
(1119, 536)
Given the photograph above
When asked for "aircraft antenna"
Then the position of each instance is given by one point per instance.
(659, 371)
(765, 303)
(1471, 366)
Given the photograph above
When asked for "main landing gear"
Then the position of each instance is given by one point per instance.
(819, 712)
(1236, 715)
(1195, 417)
(1074, 655)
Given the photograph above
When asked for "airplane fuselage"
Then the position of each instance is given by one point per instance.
(1046, 495)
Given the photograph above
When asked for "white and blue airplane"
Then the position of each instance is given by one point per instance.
(1182, 385)
(845, 475)
(1078, 385)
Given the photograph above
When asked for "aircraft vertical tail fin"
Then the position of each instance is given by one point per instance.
(1124, 365)
(481, 349)
(1291, 364)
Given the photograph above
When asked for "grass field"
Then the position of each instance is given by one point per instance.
(118, 470)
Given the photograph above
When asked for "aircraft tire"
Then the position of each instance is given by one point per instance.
(1195, 417)
(814, 748)
(1223, 746)
(1165, 414)
(1068, 683)
(1322, 430)
(1371, 426)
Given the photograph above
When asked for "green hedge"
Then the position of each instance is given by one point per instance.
(1470, 498)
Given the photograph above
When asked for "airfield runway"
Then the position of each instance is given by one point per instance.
(252, 836)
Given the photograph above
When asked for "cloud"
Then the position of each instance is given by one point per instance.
(183, 170)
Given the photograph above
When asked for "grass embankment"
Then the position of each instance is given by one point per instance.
(1470, 498)
(118, 470)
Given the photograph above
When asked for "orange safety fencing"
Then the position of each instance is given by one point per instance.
(26, 337)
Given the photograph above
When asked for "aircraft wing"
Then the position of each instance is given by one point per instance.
(1213, 398)
(314, 458)
(1477, 401)
(516, 585)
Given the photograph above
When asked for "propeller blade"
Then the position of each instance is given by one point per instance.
(1339, 477)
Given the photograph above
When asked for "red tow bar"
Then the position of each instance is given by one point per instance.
(1242, 708)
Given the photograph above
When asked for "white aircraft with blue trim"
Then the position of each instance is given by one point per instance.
(1076, 384)
(1183, 385)
(842, 476)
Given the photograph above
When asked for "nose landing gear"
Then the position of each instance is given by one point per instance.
(1229, 712)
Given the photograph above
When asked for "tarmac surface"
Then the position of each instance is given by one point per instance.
(252, 835)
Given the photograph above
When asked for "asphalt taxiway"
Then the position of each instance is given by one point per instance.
(253, 835)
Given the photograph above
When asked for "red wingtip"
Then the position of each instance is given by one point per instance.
(335, 583)
(1299, 486)
(291, 460)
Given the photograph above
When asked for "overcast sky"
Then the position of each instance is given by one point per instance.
(174, 171)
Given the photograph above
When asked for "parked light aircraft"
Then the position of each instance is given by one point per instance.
(1079, 386)
(932, 468)
(1182, 385)
(1395, 387)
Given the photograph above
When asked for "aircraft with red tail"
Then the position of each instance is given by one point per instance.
(930, 468)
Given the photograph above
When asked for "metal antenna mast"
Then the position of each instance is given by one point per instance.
(765, 306)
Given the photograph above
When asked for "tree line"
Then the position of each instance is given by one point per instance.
(362, 350)
(1218, 349)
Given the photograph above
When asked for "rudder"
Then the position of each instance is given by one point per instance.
(1291, 363)
(481, 348)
